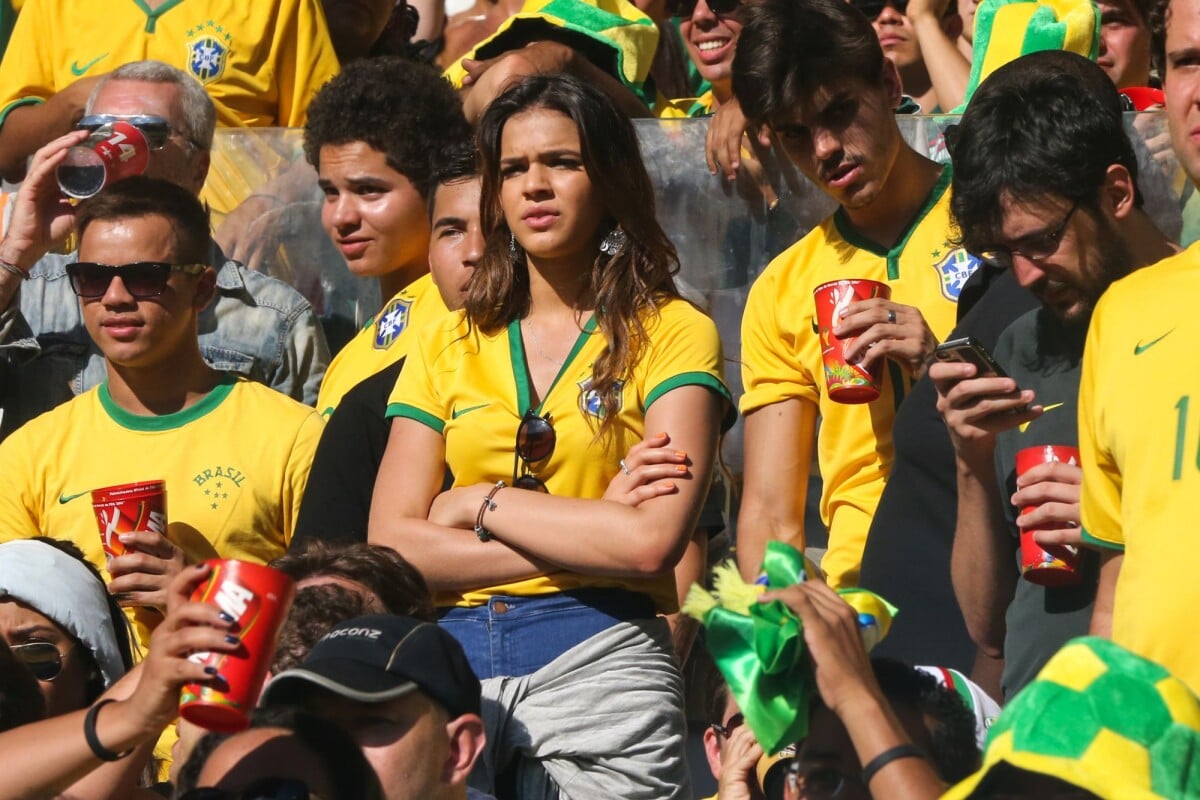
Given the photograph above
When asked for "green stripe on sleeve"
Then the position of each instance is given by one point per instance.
(1087, 537)
(704, 379)
(24, 101)
(414, 413)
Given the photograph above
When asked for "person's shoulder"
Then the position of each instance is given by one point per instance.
(677, 310)
(268, 404)
(421, 289)
(797, 259)
(1168, 277)
(59, 422)
(268, 293)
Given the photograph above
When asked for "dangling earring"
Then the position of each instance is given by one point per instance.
(513, 247)
(613, 242)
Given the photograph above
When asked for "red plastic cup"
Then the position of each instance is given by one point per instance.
(1052, 565)
(258, 598)
(127, 508)
(846, 383)
(114, 151)
(1145, 98)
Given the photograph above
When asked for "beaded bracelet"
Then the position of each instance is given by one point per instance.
(489, 504)
(888, 756)
(93, 741)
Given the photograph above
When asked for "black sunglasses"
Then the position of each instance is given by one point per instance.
(871, 9)
(265, 789)
(156, 129)
(685, 8)
(535, 443)
(732, 724)
(43, 659)
(142, 279)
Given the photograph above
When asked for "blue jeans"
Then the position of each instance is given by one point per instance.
(514, 636)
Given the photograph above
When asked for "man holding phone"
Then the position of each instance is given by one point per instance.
(1045, 180)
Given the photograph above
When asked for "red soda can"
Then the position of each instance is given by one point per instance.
(126, 508)
(113, 151)
(258, 598)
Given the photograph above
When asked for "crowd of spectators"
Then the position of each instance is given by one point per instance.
(494, 501)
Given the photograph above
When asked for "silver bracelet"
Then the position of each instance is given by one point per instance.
(14, 269)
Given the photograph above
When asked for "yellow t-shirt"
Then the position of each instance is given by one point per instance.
(473, 388)
(235, 466)
(260, 61)
(1139, 442)
(781, 355)
(384, 340)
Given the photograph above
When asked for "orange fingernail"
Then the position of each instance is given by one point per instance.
(680, 454)
(681, 468)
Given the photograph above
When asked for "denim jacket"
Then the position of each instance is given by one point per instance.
(257, 326)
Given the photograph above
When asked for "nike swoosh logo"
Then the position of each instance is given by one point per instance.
(1025, 425)
(77, 70)
(458, 412)
(66, 498)
(1140, 348)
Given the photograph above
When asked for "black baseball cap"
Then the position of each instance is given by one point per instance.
(378, 658)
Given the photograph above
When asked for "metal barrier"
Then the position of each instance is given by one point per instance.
(725, 233)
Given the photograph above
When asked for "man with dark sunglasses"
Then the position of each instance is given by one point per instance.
(261, 61)
(234, 454)
(1045, 181)
(257, 326)
(814, 73)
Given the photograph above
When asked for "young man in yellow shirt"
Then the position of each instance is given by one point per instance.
(234, 454)
(814, 73)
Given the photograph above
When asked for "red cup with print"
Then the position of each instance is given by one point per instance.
(126, 508)
(258, 597)
(1052, 565)
(846, 383)
(113, 151)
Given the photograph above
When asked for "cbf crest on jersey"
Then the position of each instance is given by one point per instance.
(208, 51)
(392, 322)
(954, 270)
(589, 400)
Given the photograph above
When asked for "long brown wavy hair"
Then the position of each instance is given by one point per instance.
(628, 286)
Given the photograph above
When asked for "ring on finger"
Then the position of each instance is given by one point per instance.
(625, 468)
(891, 316)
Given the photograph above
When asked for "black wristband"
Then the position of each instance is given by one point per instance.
(89, 733)
(888, 756)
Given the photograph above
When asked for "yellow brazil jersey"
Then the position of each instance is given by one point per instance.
(235, 466)
(473, 388)
(384, 340)
(1139, 442)
(260, 61)
(781, 354)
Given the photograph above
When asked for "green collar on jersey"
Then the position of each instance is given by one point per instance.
(847, 231)
(516, 349)
(152, 423)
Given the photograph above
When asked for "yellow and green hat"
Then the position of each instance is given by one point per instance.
(1005, 30)
(613, 34)
(1104, 719)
